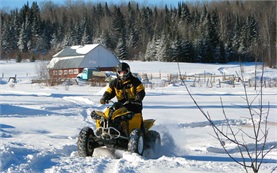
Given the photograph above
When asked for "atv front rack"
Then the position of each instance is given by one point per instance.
(108, 133)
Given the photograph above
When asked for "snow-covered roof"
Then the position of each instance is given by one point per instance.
(76, 50)
(66, 63)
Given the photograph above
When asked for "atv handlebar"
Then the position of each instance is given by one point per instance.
(125, 103)
(132, 102)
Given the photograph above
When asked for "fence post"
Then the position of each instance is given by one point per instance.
(193, 83)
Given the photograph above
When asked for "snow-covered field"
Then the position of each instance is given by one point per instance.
(40, 124)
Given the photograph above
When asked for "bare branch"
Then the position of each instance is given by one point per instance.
(259, 124)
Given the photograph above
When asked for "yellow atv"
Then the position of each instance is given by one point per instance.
(114, 132)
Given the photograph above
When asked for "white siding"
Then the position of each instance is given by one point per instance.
(99, 57)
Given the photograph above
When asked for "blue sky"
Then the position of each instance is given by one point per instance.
(11, 4)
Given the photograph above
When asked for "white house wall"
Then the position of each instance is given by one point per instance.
(99, 57)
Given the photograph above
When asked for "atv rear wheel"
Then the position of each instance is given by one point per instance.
(86, 142)
(153, 141)
(136, 142)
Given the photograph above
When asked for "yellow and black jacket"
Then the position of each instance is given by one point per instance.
(129, 90)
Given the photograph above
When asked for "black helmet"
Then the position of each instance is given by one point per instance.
(123, 71)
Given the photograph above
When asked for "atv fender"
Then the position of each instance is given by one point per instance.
(148, 124)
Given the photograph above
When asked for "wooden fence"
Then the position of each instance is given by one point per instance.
(153, 80)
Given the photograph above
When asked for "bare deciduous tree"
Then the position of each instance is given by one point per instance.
(42, 71)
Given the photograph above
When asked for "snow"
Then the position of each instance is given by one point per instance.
(39, 124)
(84, 49)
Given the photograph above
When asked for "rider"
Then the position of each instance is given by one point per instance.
(127, 88)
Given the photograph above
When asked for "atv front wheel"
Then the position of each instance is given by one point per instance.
(153, 141)
(86, 142)
(136, 142)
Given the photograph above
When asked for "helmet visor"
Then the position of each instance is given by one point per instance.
(123, 75)
(122, 72)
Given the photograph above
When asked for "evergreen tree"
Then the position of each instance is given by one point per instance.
(208, 41)
(85, 37)
(220, 55)
(131, 28)
(176, 50)
(33, 58)
(57, 39)
(134, 38)
(9, 40)
(107, 11)
(236, 40)
(77, 33)
(18, 58)
(42, 46)
(55, 42)
(252, 28)
(252, 37)
(204, 52)
(68, 41)
(147, 21)
(151, 50)
(187, 51)
(121, 49)
(36, 20)
(184, 12)
(108, 41)
(119, 22)
(213, 29)
(22, 40)
(162, 48)
(243, 40)
(204, 14)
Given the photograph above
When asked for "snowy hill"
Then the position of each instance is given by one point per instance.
(40, 124)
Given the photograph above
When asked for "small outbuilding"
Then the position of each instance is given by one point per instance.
(70, 61)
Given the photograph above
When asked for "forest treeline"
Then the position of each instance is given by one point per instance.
(212, 32)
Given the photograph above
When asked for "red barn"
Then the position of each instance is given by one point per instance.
(72, 60)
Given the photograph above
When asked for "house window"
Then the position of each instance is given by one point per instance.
(55, 72)
(65, 72)
(70, 71)
(76, 71)
(60, 72)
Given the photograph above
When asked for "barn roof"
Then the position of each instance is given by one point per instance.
(79, 50)
(68, 63)
(81, 56)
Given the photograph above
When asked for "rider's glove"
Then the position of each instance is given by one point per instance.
(103, 101)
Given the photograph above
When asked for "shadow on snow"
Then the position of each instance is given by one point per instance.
(7, 109)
